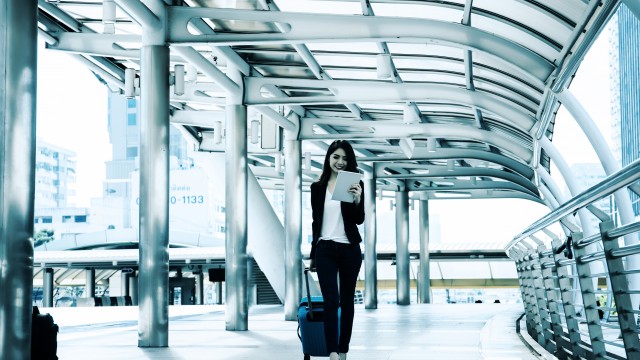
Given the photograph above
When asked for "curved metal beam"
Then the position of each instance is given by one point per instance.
(451, 153)
(308, 28)
(463, 172)
(394, 130)
(349, 91)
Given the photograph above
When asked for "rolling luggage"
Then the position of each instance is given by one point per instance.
(311, 324)
(44, 336)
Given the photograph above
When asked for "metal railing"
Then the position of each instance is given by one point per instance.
(581, 294)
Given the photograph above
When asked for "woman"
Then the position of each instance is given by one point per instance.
(335, 249)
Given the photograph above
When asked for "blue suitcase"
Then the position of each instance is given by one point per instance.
(311, 324)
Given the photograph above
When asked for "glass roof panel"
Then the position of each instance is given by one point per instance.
(326, 7)
(424, 11)
(528, 15)
(516, 35)
(349, 47)
(435, 50)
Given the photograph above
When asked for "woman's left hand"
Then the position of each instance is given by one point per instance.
(356, 190)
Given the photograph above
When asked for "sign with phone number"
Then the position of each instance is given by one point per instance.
(185, 199)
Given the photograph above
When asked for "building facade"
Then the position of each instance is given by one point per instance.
(625, 74)
(55, 176)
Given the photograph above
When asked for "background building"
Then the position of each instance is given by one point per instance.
(55, 176)
(625, 74)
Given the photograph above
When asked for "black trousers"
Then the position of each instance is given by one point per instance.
(338, 263)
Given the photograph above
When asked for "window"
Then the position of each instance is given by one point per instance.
(132, 153)
(47, 220)
(66, 218)
(131, 103)
(220, 209)
(81, 218)
(35, 220)
(220, 229)
(131, 119)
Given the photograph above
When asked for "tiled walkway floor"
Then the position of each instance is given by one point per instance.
(455, 331)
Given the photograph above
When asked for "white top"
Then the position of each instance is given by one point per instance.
(332, 222)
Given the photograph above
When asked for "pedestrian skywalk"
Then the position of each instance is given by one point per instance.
(391, 332)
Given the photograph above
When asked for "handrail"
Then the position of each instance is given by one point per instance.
(624, 177)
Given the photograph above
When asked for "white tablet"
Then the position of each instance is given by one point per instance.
(343, 183)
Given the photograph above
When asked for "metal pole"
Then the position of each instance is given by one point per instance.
(293, 225)
(424, 277)
(236, 209)
(199, 287)
(370, 253)
(153, 288)
(133, 288)
(47, 287)
(402, 248)
(90, 283)
(18, 31)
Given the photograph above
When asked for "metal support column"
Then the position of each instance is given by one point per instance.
(552, 290)
(153, 290)
(293, 225)
(587, 290)
(199, 287)
(370, 239)
(403, 280)
(133, 289)
(424, 277)
(90, 282)
(218, 288)
(18, 40)
(542, 301)
(620, 290)
(47, 287)
(236, 209)
(566, 288)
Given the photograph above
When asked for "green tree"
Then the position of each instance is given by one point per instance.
(42, 237)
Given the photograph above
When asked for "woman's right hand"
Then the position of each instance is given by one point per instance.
(312, 265)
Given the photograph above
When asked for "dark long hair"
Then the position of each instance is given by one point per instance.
(352, 163)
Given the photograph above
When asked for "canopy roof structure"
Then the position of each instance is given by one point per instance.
(441, 98)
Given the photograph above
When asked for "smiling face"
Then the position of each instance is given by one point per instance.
(338, 160)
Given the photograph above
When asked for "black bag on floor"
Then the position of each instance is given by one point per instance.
(44, 336)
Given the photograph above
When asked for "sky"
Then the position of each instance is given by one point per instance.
(72, 113)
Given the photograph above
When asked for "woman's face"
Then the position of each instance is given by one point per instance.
(338, 160)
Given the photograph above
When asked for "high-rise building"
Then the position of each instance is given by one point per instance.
(625, 79)
(55, 176)
(114, 209)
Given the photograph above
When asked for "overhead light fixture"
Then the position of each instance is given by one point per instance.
(129, 83)
(178, 80)
(192, 73)
(450, 165)
(407, 145)
(108, 12)
(409, 115)
(255, 131)
(431, 145)
(383, 62)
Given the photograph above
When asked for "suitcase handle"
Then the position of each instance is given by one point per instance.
(309, 302)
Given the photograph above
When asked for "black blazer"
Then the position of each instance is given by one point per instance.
(352, 216)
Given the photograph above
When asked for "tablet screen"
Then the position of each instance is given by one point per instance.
(343, 183)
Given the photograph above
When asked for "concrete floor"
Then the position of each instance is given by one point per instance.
(447, 331)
